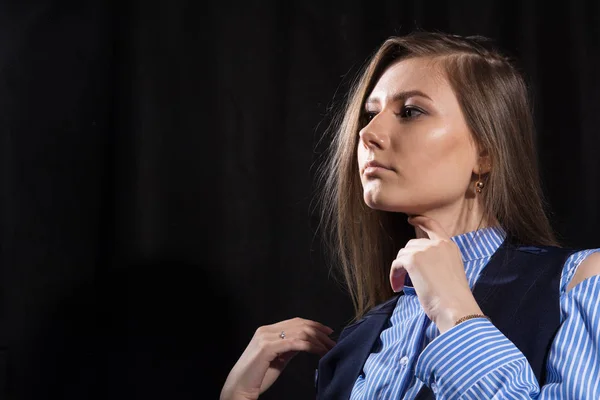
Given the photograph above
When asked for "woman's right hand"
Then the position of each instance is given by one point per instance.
(268, 353)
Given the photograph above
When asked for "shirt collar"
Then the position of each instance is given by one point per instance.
(479, 244)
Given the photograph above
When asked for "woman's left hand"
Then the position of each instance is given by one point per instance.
(437, 273)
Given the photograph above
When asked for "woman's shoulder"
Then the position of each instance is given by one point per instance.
(579, 266)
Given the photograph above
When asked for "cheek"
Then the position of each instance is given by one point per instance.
(454, 166)
(361, 157)
(360, 154)
(443, 159)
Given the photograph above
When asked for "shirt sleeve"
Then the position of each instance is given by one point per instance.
(474, 360)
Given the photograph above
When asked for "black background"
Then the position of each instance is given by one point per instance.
(157, 174)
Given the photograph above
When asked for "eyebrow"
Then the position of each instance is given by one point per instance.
(401, 96)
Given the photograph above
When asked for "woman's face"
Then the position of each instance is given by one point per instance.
(417, 132)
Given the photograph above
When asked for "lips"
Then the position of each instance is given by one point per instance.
(375, 164)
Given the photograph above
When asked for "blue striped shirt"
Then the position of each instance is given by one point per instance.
(474, 360)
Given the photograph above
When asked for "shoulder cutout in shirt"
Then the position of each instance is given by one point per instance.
(589, 267)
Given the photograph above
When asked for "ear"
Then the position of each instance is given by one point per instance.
(484, 162)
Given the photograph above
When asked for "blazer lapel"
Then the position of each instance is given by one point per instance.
(340, 367)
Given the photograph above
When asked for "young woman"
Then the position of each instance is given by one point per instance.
(433, 202)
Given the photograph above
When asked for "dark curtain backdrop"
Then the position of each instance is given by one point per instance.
(158, 163)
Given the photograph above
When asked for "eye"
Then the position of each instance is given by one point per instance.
(368, 116)
(410, 112)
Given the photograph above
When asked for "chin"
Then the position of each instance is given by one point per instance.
(377, 201)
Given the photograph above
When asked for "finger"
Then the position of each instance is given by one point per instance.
(404, 251)
(310, 333)
(296, 344)
(430, 226)
(327, 341)
(323, 328)
(301, 321)
(397, 276)
(417, 243)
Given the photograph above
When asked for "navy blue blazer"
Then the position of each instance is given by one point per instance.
(518, 290)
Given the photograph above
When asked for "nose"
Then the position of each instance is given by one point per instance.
(372, 139)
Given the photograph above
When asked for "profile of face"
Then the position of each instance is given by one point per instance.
(416, 153)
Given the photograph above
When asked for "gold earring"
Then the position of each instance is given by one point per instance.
(479, 185)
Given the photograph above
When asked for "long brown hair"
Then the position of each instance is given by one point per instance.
(494, 100)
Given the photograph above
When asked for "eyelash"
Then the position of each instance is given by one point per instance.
(369, 115)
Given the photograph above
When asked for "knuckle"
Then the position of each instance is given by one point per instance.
(413, 258)
(303, 335)
(411, 262)
(308, 324)
(311, 330)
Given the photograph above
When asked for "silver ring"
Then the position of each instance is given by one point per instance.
(282, 335)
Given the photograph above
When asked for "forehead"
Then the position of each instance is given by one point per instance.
(423, 74)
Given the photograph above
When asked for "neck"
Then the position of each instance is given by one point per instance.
(461, 217)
